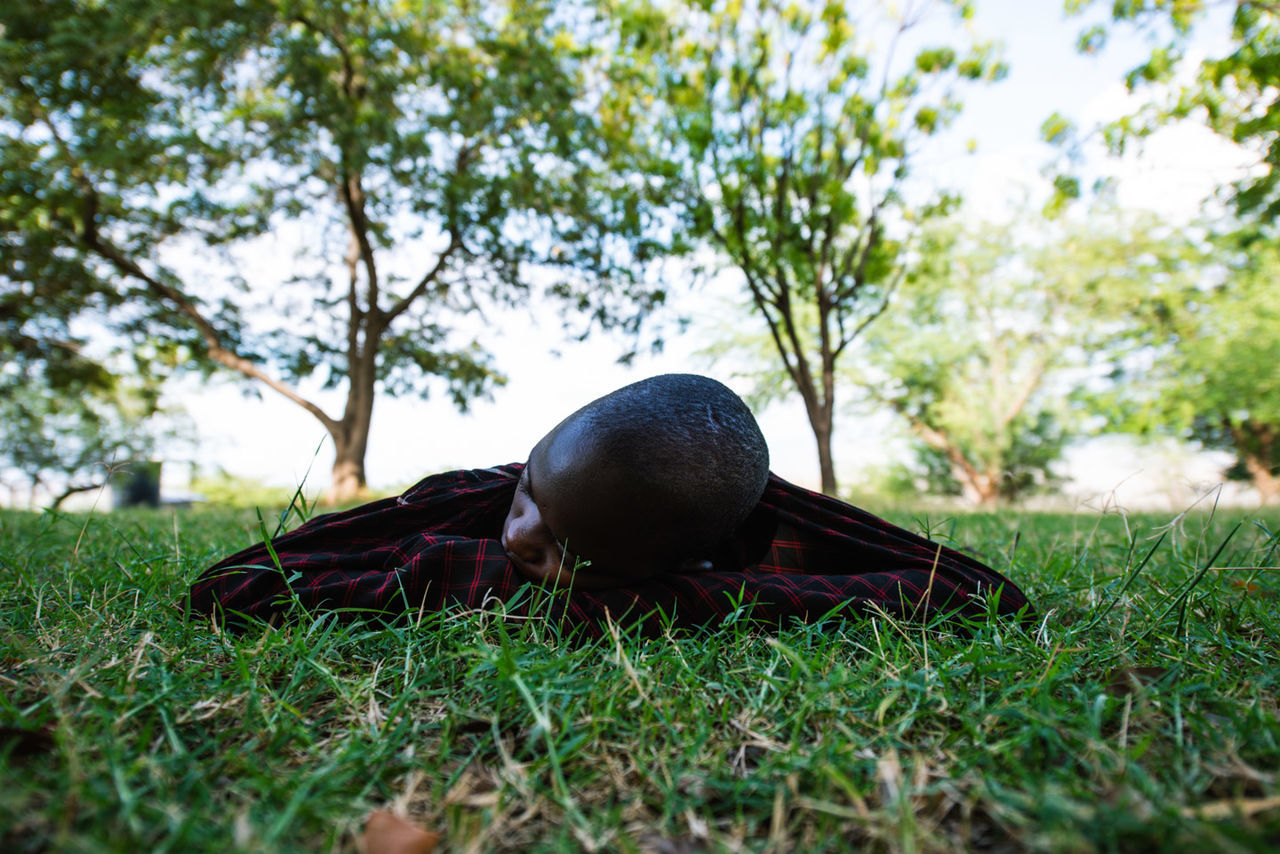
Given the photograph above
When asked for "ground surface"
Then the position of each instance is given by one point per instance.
(1141, 713)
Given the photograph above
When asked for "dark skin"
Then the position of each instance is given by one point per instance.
(576, 520)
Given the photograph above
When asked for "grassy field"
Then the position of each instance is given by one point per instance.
(1141, 713)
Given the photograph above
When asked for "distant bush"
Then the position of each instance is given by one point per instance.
(231, 490)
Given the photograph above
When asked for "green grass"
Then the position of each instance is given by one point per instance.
(1141, 713)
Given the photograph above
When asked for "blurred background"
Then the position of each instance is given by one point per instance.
(964, 254)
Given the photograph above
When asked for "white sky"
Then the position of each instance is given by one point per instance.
(275, 441)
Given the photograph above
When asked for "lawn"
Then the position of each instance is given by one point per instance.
(1141, 712)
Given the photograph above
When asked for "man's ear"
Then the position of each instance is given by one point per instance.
(694, 564)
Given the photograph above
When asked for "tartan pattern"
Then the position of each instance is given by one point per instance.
(804, 555)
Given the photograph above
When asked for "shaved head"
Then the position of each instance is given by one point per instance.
(652, 475)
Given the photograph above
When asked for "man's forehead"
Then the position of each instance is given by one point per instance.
(569, 475)
(564, 455)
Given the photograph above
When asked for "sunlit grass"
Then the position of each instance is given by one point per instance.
(1141, 712)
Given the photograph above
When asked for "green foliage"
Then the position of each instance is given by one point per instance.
(985, 348)
(425, 157)
(1141, 715)
(1236, 95)
(799, 122)
(228, 490)
(1204, 346)
(1202, 341)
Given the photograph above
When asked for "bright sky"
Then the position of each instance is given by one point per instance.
(274, 440)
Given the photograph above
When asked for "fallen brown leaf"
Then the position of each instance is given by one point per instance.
(1246, 586)
(388, 833)
(1127, 680)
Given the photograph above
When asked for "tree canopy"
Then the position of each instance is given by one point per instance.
(1203, 345)
(800, 122)
(423, 157)
(1236, 94)
(975, 359)
(1201, 336)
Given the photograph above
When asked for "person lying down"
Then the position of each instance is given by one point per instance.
(653, 505)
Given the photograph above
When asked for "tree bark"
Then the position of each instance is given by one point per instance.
(1257, 446)
(981, 488)
(351, 439)
(1265, 480)
(820, 409)
(348, 481)
(365, 326)
(823, 426)
(350, 443)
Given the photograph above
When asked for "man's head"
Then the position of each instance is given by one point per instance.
(643, 480)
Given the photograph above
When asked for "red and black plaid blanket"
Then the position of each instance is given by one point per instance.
(802, 555)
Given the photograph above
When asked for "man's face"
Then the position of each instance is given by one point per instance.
(566, 515)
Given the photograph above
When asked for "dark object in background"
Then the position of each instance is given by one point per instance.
(136, 484)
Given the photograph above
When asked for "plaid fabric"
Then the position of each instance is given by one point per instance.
(802, 556)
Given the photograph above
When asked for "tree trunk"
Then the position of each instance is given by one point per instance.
(977, 488)
(827, 410)
(351, 438)
(826, 465)
(350, 443)
(822, 423)
(1258, 447)
(1265, 478)
(348, 482)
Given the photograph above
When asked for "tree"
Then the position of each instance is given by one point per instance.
(427, 158)
(1203, 355)
(1205, 343)
(1012, 339)
(1237, 95)
(800, 122)
(981, 355)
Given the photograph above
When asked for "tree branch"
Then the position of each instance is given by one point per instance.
(1028, 388)
(75, 490)
(937, 439)
(889, 291)
(856, 272)
(94, 241)
(425, 282)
